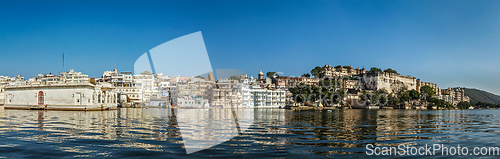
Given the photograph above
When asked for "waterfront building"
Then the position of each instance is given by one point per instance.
(163, 84)
(164, 88)
(430, 84)
(193, 93)
(61, 96)
(352, 90)
(454, 95)
(128, 90)
(387, 81)
(145, 84)
(245, 93)
(226, 93)
(2, 95)
(267, 98)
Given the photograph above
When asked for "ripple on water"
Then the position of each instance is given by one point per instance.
(129, 133)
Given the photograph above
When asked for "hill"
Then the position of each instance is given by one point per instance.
(481, 96)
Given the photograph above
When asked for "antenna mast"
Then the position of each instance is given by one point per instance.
(63, 62)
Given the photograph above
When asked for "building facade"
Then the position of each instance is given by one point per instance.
(74, 96)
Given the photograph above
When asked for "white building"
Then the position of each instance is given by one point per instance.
(246, 94)
(2, 95)
(48, 79)
(194, 93)
(145, 84)
(74, 77)
(69, 96)
(387, 81)
(164, 88)
(263, 98)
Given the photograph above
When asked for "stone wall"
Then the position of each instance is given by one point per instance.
(68, 95)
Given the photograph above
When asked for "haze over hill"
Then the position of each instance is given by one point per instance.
(476, 95)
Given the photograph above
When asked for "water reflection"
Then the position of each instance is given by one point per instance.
(267, 133)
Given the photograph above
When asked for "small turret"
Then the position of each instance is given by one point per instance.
(261, 75)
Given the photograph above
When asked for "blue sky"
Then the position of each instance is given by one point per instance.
(451, 43)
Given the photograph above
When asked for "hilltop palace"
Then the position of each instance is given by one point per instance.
(76, 91)
(359, 80)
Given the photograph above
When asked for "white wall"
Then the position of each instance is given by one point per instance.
(74, 95)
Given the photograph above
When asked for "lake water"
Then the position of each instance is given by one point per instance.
(274, 133)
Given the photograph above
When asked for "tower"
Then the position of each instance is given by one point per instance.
(261, 75)
(210, 76)
(114, 70)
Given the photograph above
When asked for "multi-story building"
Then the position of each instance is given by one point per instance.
(193, 93)
(267, 98)
(454, 95)
(4, 80)
(227, 93)
(64, 96)
(340, 71)
(145, 84)
(430, 84)
(285, 82)
(127, 89)
(73, 77)
(387, 81)
(164, 88)
(48, 79)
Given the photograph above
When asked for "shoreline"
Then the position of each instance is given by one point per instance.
(55, 108)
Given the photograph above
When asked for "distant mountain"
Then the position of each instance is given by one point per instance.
(481, 96)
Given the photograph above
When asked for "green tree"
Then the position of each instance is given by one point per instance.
(316, 71)
(414, 94)
(382, 97)
(427, 92)
(272, 74)
(394, 101)
(327, 92)
(398, 88)
(199, 76)
(234, 78)
(389, 70)
(463, 105)
(406, 96)
(306, 75)
(375, 69)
